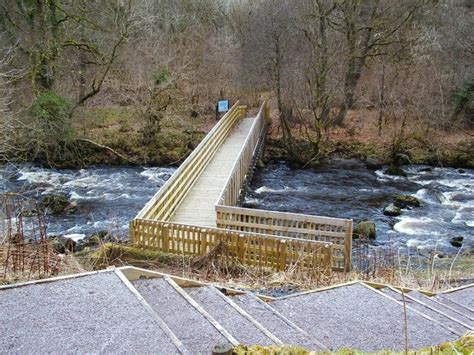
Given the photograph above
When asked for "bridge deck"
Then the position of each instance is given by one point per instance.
(198, 207)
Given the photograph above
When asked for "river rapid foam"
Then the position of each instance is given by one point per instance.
(109, 197)
(347, 189)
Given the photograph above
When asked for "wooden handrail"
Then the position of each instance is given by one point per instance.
(251, 249)
(324, 229)
(233, 186)
(164, 203)
(280, 233)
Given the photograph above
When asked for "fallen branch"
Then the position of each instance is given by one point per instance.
(121, 156)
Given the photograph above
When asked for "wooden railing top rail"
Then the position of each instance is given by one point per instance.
(222, 230)
(257, 250)
(297, 217)
(236, 109)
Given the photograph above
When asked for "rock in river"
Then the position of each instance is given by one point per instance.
(457, 241)
(392, 210)
(57, 204)
(403, 201)
(365, 229)
(395, 171)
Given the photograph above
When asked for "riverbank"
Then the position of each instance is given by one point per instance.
(117, 135)
(361, 139)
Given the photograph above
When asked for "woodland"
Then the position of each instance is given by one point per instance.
(136, 81)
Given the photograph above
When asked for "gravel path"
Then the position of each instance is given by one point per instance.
(456, 306)
(240, 327)
(266, 315)
(355, 316)
(464, 296)
(442, 307)
(196, 333)
(456, 326)
(90, 314)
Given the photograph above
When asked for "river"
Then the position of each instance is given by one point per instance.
(347, 189)
(109, 197)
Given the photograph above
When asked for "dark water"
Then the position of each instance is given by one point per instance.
(347, 189)
(109, 197)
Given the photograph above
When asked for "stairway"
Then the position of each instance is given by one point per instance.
(134, 310)
(287, 331)
(354, 315)
(463, 296)
(360, 317)
(423, 304)
(196, 329)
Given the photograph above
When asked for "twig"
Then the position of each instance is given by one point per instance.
(405, 319)
(452, 263)
(109, 149)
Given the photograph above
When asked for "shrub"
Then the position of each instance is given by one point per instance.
(51, 107)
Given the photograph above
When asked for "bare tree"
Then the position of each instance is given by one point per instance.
(370, 28)
(10, 124)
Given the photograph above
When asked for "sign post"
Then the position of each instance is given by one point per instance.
(221, 107)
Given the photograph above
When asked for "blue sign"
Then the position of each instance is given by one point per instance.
(223, 106)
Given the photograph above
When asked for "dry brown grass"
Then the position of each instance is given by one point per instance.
(431, 274)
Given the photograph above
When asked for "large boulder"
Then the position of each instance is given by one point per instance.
(57, 204)
(457, 241)
(395, 171)
(392, 210)
(404, 201)
(373, 164)
(63, 244)
(365, 229)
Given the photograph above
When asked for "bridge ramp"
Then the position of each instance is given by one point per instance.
(197, 207)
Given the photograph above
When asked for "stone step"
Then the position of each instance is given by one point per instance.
(431, 311)
(288, 332)
(358, 316)
(237, 321)
(194, 327)
(434, 302)
(463, 296)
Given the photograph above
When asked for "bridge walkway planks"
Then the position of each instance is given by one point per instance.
(198, 207)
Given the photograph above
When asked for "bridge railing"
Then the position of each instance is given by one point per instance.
(337, 231)
(259, 250)
(235, 182)
(264, 231)
(165, 202)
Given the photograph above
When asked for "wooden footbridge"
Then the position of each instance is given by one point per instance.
(197, 209)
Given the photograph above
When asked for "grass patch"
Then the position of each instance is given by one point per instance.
(109, 254)
(464, 345)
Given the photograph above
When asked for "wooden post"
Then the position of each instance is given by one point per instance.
(131, 231)
(348, 247)
(266, 111)
(241, 247)
(165, 238)
(283, 251)
(222, 349)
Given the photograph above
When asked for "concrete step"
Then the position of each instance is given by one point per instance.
(435, 302)
(288, 332)
(463, 296)
(360, 317)
(193, 326)
(237, 321)
(431, 311)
